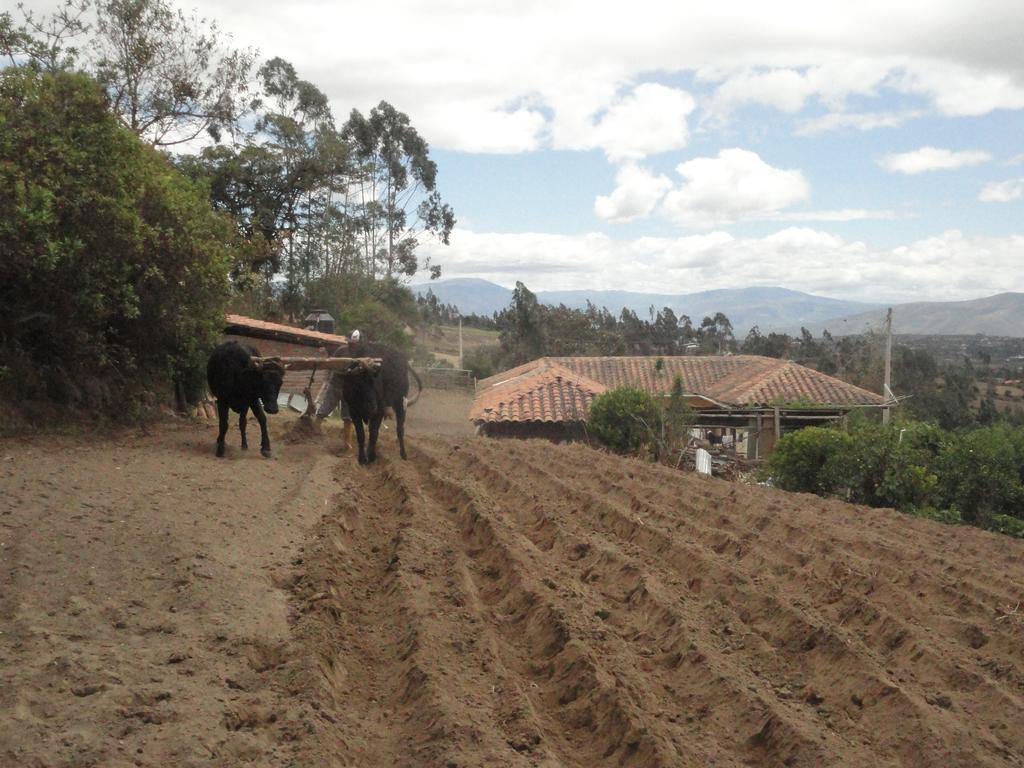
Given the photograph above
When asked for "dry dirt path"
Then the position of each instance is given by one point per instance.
(485, 604)
(140, 620)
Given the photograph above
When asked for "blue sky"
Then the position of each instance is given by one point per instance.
(554, 191)
(870, 150)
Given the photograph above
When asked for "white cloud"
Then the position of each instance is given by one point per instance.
(784, 89)
(789, 89)
(478, 128)
(456, 66)
(651, 119)
(948, 266)
(636, 194)
(1002, 191)
(958, 91)
(736, 185)
(932, 159)
(861, 121)
(842, 214)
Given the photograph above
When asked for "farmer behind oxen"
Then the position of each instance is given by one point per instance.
(332, 392)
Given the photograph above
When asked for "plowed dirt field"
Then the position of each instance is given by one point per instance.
(485, 603)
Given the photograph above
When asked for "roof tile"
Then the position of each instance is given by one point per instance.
(238, 323)
(562, 388)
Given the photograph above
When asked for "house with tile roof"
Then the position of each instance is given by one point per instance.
(752, 399)
(279, 340)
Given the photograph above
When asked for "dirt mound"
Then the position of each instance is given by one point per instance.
(486, 603)
(303, 429)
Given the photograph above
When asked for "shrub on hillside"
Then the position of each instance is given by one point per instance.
(1006, 524)
(982, 473)
(870, 463)
(114, 267)
(974, 476)
(893, 465)
(624, 419)
(812, 460)
(482, 361)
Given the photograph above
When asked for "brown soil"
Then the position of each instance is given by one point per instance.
(483, 604)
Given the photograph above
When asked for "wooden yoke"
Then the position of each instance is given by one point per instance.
(341, 365)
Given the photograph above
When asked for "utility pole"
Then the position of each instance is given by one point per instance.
(460, 342)
(886, 390)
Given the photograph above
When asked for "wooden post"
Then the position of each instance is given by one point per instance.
(778, 424)
(460, 342)
(757, 444)
(886, 391)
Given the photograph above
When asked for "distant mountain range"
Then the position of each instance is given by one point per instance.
(998, 315)
(771, 309)
(767, 308)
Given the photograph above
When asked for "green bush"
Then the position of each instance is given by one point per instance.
(974, 476)
(623, 419)
(947, 516)
(891, 465)
(1011, 526)
(482, 361)
(114, 267)
(812, 460)
(982, 473)
(870, 463)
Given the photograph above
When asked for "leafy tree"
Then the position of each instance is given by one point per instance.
(635, 332)
(870, 463)
(394, 191)
(307, 155)
(283, 186)
(773, 345)
(674, 425)
(381, 309)
(974, 476)
(246, 183)
(317, 204)
(949, 403)
(715, 334)
(522, 327)
(169, 76)
(44, 41)
(114, 265)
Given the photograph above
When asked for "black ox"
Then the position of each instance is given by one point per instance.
(369, 395)
(241, 382)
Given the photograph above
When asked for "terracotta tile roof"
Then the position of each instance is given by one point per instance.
(239, 324)
(539, 391)
(562, 388)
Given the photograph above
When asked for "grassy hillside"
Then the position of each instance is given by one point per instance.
(443, 341)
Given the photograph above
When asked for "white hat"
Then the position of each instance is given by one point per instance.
(354, 336)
